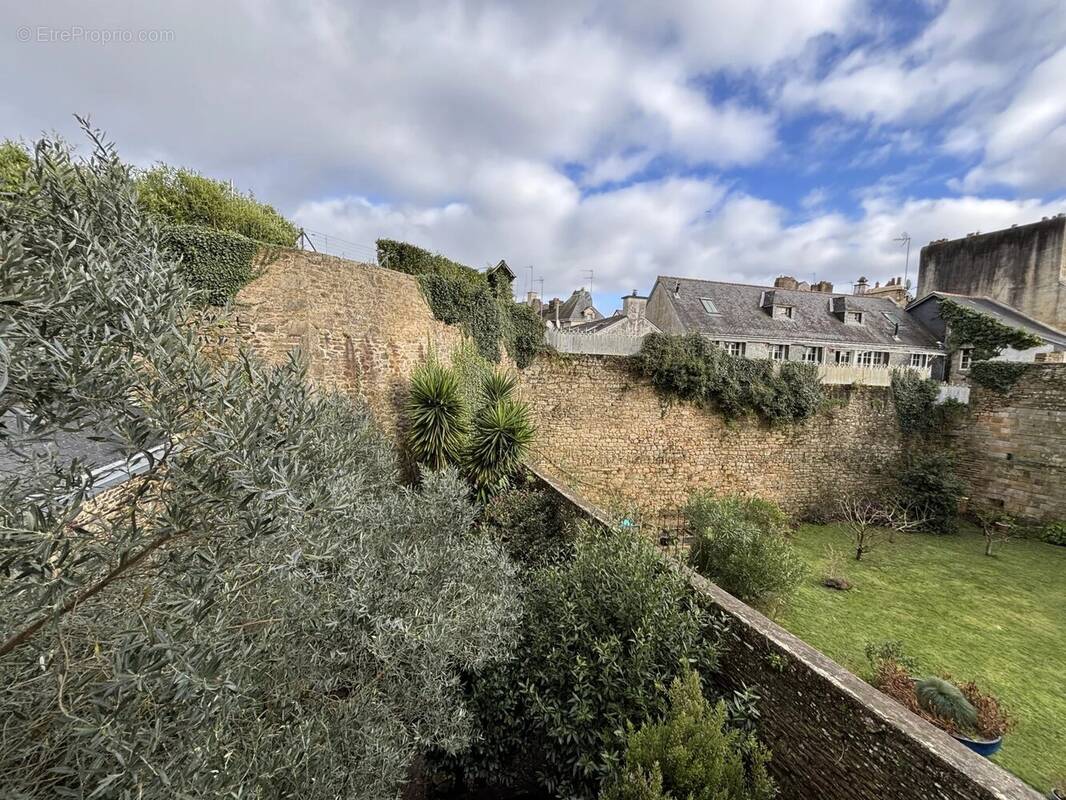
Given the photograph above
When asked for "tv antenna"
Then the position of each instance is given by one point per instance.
(905, 239)
(529, 286)
(588, 273)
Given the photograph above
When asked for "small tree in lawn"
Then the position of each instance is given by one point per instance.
(996, 526)
(869, 518)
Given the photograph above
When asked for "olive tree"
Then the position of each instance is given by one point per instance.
(267, 611)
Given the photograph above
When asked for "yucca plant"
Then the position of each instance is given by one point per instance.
(437, 426)
(945, 700)
(499, 442)
(498, 386)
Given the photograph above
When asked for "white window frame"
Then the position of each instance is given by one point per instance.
(872, 358)
(778, 352)
(708, 305)
(813, 354)
(735, 349)
(847, 359)
(920, 360)
(965, 359)
(853, 318)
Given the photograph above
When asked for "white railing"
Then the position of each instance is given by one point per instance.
(951, 392)
(605, 344)
(866, 376)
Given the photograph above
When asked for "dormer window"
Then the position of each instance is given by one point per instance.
(783, 312)
(708, 305)
(853, 318)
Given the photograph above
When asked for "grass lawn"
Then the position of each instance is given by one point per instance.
(1000, 620)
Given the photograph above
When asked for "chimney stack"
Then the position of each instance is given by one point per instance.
(823, 286)
(785, 282)
(633, 305)
(861, 286)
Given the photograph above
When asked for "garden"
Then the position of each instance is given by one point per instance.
(954, 610)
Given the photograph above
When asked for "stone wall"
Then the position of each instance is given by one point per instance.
(1012, 448)
(1024, 267)
(606, 432)
(833, 736)
(363, 328)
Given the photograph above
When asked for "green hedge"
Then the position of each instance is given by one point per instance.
(217, 263)
(460, 295)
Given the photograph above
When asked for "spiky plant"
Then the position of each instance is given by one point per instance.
(500, 441)
(945, 700)
(498, 386)
(437, 428)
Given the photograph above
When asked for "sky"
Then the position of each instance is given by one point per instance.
(724, 140)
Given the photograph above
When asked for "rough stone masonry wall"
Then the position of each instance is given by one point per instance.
(1012, 448)
(606, 432)
(363, 328)
(833, 736)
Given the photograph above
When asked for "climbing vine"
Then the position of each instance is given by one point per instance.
(987, 336)
(999, 376)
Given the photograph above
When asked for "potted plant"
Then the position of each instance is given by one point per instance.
(972, 717)
(1058, 789)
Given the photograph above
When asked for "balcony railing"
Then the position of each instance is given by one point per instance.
(864, 375)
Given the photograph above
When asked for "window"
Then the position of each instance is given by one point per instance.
(708, 305)
(853, 317)
(872, 358)
(965, 357)
(919, 360)
(788, 311)
(734, 348)
(843, 356)
(891, 317)
(779, 352)
(813, 355)
(783, 312)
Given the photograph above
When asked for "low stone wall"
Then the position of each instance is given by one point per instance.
(833, 736)
(1012, 448)
(363, 328)
(605, 431)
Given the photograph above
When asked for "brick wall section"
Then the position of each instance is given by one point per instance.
(606, 432)
(363, 328)
(1012, 449)
(833, 736)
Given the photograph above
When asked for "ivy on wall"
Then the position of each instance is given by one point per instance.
(692, 368)
(987, 336)
(916, 404)
(216, 263)
(999, 376)
(460, 295)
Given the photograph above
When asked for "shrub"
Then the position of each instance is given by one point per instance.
(602, 636)
(1053, 533)
(888, 650)
(272, 614)
(183, 197)
(944, 700)
(532, 526)
(436, 418)
(692, 754)
(499, 442)
(741, 544)
(216, 263)
(999, 376)
(470, 304)
(915, 400)
(15, 163)
(525, 332)
(693, 369)
(933, 490)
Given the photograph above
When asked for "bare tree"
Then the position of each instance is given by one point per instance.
(869, 518)
(996, 525)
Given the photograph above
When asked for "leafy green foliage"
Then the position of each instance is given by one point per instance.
(741, 543)
(468, 303)
(915, 400)
(414, 260)
(988, 337)
(933, 490)
(523, 332)
(499, 442)
(217, 263)
(692, 368)
(878, 653)
(602, 636)
(436, 418)
(1053, 533)
(268, 611)
(15, 163)
(999, 376)
(692, 755)
(498, 385)
(943, 699)
(183, 197)
(532, 527)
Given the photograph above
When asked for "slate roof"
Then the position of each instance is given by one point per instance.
(741, 315)
(571, 308)
(596, 325)
(1001, 312)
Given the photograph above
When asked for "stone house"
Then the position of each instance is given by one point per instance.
(793, 321)
(630, 320)
(575, 310)
(927, 311)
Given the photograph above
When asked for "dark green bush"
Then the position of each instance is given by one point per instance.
(602, 637)
(533, 527)
(1053, 533)
(215, 262)
(499, 442)
(468, 303)
(15, 162)
(933, 490)
(741, 543)
(436, 420)
(692, 368)
(414, 260)
(183, 197)
(525, 332)
(999, 376)
(915, 399)
(692, 755)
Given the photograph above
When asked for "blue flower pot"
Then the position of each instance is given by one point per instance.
(983, 747)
